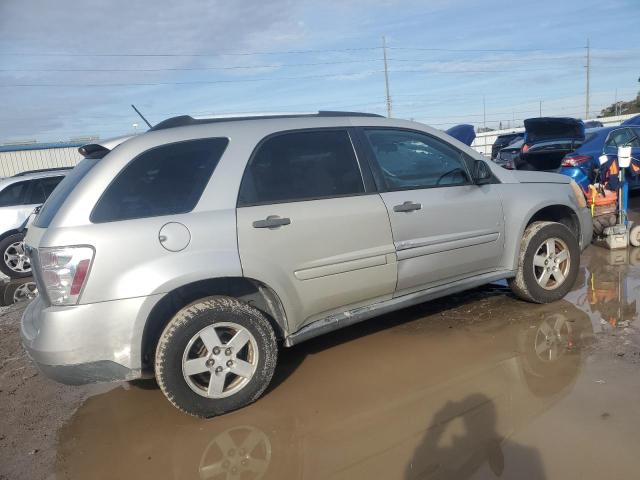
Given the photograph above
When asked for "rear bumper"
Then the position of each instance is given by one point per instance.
(87, 343)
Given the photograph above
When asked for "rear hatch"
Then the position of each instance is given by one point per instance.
(547, 141)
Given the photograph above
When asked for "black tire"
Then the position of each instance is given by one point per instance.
(186, 325)
(524, 284)
(18, 291)
(6, 245)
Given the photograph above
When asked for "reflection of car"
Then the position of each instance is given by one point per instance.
(416, 410)
(19, 195)
(244, 232)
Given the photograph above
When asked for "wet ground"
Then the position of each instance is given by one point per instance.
(477, 385)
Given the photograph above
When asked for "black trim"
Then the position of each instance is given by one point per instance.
(377, 170)
(344, 129)
(186, 120)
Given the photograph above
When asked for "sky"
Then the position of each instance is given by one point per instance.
(73, 68)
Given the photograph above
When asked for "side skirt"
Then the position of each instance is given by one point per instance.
(344, 319)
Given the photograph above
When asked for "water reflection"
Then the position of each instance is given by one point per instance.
(432, 392)
(610, 288)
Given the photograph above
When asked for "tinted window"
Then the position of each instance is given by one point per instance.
(619, 138)
(165, 180)
(301, 166)
(42, 188)
(60, 194)
(414, 160)
(14, 194)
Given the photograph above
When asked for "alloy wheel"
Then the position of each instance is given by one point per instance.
(220, 360)
(551, 263)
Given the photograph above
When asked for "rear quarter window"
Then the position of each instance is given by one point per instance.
(164, 180)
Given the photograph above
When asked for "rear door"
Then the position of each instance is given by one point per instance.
(309, 228)
(444, 227)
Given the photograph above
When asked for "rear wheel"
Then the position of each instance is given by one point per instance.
(215, 355)
(548, 263)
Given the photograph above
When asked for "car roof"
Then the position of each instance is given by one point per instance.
(33, 174)
(187, 120)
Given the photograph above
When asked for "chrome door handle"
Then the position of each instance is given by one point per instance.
(272, 221)
(407, 206)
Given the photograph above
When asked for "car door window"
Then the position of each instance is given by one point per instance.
(301, 166)
(14, 194)
(409, 160)
(618, 138)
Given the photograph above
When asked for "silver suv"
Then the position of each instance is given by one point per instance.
(193, 251)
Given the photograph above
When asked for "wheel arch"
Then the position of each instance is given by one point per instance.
(550, 212)
(8, 233)
(247, 290)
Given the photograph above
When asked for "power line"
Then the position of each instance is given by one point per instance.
(267, 79)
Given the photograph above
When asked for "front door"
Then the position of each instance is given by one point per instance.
(445, 227)
(308, 228)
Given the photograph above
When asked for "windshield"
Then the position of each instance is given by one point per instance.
(62, 191)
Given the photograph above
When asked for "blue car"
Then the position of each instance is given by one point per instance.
(582, 164)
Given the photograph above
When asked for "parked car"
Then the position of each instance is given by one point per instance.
(633, 121)
(503, 141)
(244, 234)
(582, 164)
(19, 195)
(465, 133)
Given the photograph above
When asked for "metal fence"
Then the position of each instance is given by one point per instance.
(16, 159)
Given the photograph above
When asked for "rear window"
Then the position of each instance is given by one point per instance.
(62, 191)
(165, 180)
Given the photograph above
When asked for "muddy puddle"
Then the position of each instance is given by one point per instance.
(477, 385)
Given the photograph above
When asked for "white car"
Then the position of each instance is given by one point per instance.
(19, 196)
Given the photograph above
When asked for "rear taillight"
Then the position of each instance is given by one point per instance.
(525, 148)
(576, 160)
(64, 272)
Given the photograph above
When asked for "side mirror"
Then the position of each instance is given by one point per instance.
(481, 173)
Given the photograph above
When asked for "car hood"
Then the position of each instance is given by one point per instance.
(465, 133)
(548, 128)
(539, 177)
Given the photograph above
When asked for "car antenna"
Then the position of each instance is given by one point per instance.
(141, 116)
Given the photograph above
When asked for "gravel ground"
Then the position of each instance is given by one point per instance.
(32, 408)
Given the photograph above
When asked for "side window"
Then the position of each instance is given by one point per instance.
(41, 189)
(618, 138)
(165, 180)
(413, 160)
(301, 166)
(14, 194)
(635, 142)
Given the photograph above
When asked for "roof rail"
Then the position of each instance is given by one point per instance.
(41, 170)
(185, 120)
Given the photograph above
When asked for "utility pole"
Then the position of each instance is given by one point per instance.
(615, 104)
(386, 75)
(484, 114)
(588, 66)
(540, 111)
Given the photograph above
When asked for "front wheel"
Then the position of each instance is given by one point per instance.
(15, 263)
(548, 263)
(215, 355)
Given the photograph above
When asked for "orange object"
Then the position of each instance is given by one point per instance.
(599, 199)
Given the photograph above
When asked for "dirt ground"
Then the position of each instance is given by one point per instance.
(476, 385)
